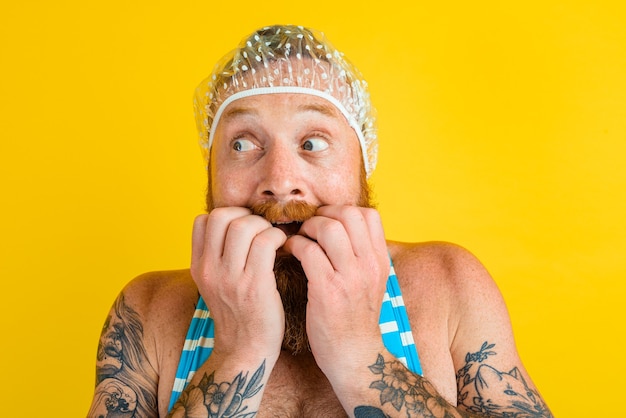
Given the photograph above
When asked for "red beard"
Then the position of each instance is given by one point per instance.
(291, 281)
(296, 211)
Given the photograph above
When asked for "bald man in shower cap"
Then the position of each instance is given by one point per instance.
(295, 305)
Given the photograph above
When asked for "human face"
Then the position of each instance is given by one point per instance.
(110, 349)
(283, 147)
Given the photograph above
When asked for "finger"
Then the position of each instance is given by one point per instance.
(217, 226)
(355, 224)
(197, 237)
(332, 238)
(376, 230)
(311, 256)
(262, 253)
(239, 235)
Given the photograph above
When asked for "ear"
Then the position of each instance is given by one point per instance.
(517, 375)
(485, 375)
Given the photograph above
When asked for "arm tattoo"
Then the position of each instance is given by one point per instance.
(403, 389)
(216, 400)
(482, 391)
(125, 381)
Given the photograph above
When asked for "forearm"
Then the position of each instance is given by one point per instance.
(225, 387)
(389, 389)
(386, 388)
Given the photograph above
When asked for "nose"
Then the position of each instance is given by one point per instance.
(282, 178)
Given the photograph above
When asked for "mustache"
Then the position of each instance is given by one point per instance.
(293, 210)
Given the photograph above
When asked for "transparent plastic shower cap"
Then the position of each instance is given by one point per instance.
(287, 59)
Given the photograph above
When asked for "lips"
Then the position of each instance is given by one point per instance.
(289, 228)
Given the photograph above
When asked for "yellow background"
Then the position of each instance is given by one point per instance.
(502, 128)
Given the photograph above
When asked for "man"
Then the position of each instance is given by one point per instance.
(295, 304)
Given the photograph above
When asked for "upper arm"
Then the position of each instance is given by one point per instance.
(126, 381)
(490, 376)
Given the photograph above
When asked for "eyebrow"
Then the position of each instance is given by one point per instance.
(237, 111)
(322, 108)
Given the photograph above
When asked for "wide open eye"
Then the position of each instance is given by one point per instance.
(315, 144)
(242, 145)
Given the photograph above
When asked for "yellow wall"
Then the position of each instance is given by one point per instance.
(502, 126)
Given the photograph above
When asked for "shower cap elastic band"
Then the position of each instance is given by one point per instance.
(287, 59)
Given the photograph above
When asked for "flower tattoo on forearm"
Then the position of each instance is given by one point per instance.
(209, 399)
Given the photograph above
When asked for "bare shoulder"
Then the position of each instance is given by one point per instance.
(140, 344)
(432, 255)
(447, 279)
(158, 286)
(445, 287)
(163, 300)
(448, 290)
(439, 266)
(162, 295)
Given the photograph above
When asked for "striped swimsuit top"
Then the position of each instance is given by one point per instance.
(393, 322)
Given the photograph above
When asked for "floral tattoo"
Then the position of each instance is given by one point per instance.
(219, 400)
(482, 391)
(403, 389)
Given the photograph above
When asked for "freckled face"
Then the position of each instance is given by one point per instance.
(283, 147)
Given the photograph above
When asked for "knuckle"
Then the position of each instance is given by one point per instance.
(248, 222)
(371, 214)
(237, 225)
(349, 212)
(199, 273)
(218, 212)
(218, 215)
(264, 239)
(309, 248)
(331, 226)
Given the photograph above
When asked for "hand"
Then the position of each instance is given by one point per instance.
(232, 264)
(344, 255)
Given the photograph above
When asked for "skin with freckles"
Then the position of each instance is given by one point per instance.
(284, 147)
(292, 261)
(274, 153)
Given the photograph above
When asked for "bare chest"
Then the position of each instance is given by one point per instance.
(297, 389)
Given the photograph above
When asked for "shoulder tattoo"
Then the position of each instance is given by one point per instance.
(125, 381)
